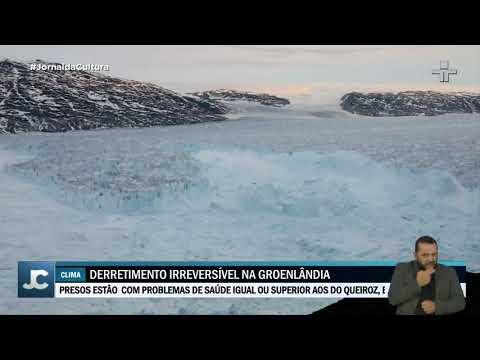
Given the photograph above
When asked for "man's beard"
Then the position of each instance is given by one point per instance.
(424, 267)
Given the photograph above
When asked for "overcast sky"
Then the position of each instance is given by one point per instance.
(284, 70)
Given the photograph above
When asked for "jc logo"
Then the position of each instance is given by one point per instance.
(34, 274)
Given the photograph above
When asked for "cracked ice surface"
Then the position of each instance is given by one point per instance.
(269, 187)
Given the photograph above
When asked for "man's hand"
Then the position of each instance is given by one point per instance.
(424, 277)
(429, 306)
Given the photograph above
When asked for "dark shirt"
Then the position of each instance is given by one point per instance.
(427, 293)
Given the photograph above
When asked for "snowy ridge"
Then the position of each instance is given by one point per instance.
(52, 101)
(410, 103)
(232, 95)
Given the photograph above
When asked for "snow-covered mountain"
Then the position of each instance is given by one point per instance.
(52, 100)
(62, 100)
(232, 95)
(410, 103)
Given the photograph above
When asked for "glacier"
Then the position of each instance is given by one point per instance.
(296, 185)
